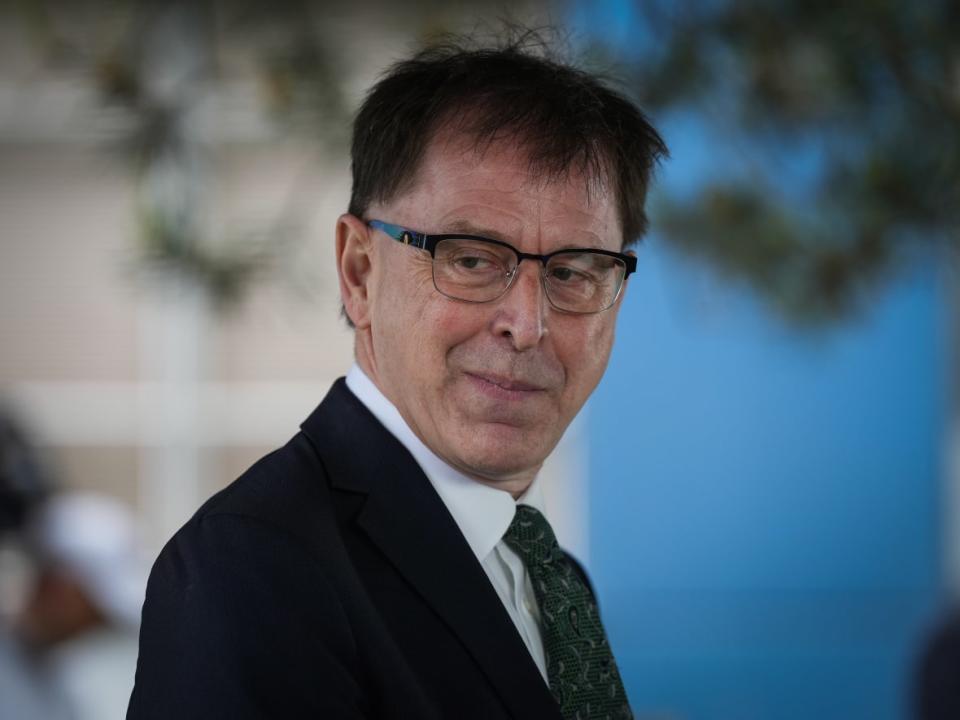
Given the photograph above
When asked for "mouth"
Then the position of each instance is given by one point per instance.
(503, 386)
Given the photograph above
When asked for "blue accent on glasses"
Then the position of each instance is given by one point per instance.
(472, 268)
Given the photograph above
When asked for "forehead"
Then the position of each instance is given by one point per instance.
(495, 187)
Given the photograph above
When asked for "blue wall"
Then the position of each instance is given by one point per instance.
(764, 502)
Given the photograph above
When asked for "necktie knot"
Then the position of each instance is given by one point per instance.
(532, 538)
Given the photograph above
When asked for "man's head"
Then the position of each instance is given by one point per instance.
(510, 146)
(561, 119)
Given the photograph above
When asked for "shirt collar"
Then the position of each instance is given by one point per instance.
(482, 513)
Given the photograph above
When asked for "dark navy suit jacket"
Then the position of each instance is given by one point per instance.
(330, 581)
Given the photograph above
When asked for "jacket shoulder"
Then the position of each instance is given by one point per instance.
(288, 489)
(236, 593)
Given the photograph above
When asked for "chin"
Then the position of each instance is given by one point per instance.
(497, 450)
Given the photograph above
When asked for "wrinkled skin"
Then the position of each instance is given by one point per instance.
(489, 387)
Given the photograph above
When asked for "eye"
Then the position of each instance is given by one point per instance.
(472, 262)
(567, 274)
(471, 257)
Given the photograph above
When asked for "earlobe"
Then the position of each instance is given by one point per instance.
(354, 268)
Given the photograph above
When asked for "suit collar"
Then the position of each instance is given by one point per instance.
(406, 519)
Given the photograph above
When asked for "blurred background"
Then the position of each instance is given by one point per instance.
(766, 485)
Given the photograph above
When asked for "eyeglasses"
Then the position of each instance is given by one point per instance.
(477, 269)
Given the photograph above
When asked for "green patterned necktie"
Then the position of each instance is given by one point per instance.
(580, 666)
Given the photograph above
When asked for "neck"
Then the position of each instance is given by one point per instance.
(514, 483)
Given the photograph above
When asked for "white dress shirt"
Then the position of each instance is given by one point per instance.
(482, 513)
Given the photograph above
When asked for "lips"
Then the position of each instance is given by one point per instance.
(506, 383)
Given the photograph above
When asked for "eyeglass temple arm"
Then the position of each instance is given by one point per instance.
(400, 234)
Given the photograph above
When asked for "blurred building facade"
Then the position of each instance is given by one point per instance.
(139, 381)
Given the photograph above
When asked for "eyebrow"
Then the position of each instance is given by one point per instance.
(468, 228)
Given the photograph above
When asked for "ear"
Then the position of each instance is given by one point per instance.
(354, 266)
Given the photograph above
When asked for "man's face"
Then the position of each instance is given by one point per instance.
(489, 387)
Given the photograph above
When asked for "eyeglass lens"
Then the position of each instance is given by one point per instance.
(478, 271)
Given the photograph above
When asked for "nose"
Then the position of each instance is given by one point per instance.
(521, 311)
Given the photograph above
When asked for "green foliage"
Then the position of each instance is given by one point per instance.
(156, 63)
(870, 88)
(224, 273)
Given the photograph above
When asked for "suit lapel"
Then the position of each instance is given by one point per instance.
(406, 519)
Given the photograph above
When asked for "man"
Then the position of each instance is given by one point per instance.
(393, 559)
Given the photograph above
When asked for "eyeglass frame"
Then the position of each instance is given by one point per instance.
(429, 242)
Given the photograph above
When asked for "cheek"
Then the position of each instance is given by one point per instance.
(584, 354)
(444, 324)
(401, 301)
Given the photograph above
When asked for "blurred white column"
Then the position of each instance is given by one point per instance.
(566, 490)
(175, 323)
(174, 65)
